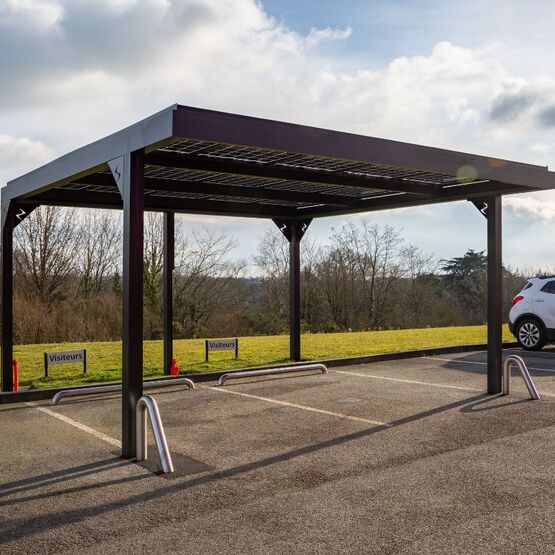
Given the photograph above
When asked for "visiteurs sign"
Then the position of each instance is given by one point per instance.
(65, 357)
(221, 345)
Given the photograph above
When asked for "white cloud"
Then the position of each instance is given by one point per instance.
(31, 16)
(77, 70)
(541, 148)
(533, 209)
(525, 105)
(460, 111)
(316, 36)
(113, 61)
(20, 155)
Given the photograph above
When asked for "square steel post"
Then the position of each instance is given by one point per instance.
(7, 298)
(294, 231)
(495, 298)
(295, 293)
(132, 355)
(169, 260)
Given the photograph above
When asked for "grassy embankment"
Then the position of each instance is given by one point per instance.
(104, 358)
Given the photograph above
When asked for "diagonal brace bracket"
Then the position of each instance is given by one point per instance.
(481, 205)
(289, 227)
(16, 212)
(120, 171)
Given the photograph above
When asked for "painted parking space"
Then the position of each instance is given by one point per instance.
(267, 465)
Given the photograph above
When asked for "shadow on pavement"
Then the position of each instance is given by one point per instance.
(22, 527)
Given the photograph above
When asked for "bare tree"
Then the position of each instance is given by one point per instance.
(272, 260)
(337, 282)
(100, 248)
(204, 275)
(362, 263)
(68, 268)
(419, 290)
(312, 307)
(153, 257)
(45, 252)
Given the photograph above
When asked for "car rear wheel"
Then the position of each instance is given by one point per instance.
(531, 334)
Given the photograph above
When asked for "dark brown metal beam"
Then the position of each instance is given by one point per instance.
(294, 174)
(208, 188)
(479, 188)
(78, 199)
(88, 199)
(400, 200)
(322, 204)
(224, 190)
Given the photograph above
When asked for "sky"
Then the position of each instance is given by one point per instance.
(475, 76)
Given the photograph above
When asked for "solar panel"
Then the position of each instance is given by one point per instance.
(244, 188)
(212, 150)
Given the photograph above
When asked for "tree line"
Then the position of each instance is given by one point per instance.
(67, 281)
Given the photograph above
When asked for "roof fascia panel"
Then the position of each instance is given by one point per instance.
(149, 133)
(274, 135)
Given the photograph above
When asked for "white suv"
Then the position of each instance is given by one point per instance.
(532, 316)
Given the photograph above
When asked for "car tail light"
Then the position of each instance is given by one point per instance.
(517, 299)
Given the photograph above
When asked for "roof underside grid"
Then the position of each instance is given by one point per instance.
(238, 176)
(218, 151)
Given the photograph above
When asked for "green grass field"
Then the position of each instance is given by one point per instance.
(104, 358)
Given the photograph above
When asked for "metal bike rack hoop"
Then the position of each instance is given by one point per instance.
(270, 371)
(117, 387)
(521, 365)
(148, 404)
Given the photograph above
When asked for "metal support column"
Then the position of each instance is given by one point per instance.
(12, 215)
(495, 298)
(128, 172)
(7, 297)
(295, 293)
(169, 258)
(294, 231)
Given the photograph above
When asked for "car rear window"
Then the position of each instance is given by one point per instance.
(527, 286)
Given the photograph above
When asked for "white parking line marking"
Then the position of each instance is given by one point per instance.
(78, 425)
(294, 405)
(458, 361)
(454, 360)
(485, 364)
(543, 353)
(373, 376)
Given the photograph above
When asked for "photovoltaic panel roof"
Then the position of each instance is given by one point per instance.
(201, 161)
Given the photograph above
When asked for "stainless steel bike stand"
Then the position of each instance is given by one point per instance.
(148, 404)
(270, 371)
(117, 387)
(521, 365)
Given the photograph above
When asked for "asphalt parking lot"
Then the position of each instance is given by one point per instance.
(407, 456)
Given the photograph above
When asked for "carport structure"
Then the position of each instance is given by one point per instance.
(189, 160)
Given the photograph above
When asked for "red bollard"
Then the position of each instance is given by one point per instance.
(15, 375)
(174, 369)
